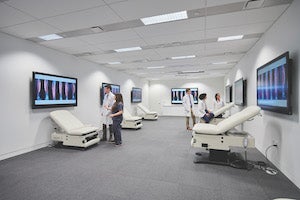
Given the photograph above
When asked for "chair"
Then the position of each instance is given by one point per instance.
(145, 113)
(218, 139)
(71, 131)
(131, 122)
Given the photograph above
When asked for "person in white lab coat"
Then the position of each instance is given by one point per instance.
(218, 103)
(108, 102)
(204, 112)
(188, 104)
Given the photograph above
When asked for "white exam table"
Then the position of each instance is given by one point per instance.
(145, 113)
(219, 138)
(131, 122)
(72, 132)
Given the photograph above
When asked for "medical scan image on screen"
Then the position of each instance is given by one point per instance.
(177, 95)
(136, 95)
(272, 84)
(54, 90)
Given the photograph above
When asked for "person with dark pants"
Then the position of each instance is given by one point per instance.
(108, 101)
(205, 114)
(117, 117)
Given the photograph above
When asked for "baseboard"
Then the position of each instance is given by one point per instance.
(24, 150)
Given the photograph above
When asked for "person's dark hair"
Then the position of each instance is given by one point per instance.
(202, 96)
(108, 86)
(216, 96)
(187, 89)
(119, 98)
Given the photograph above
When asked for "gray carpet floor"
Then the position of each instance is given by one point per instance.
(155, 162)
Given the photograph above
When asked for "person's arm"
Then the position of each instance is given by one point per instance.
(117, 114)
(120, 112)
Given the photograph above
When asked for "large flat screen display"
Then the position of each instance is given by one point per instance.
(114, 89)
(136, 95)
(240, 92)
(53, 91)
(273, 85)
(228, 93)
(177, 95)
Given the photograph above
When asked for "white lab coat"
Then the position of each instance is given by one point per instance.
(201, 108)
(187, 105)
(218, 104)
(109, 100)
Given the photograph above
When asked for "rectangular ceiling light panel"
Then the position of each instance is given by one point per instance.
(234, 37)
(182, 57)
(128, 49)
(165, 18)
(50, 37)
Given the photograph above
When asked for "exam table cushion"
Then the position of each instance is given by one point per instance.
(69, 123)
(228, 123)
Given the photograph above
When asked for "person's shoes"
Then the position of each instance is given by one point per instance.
(188, 128)
(102, 139)
(111, 141)
(118, 145)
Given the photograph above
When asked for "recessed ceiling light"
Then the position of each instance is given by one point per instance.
(50, 37)
(156, 67)
(114, 63)
(234, 37)
(220, 63)
(128, 49)
(182, 57)
(165, 18)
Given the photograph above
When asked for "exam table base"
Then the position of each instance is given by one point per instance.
(221, 157)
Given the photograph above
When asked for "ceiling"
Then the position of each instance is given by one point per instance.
(93, 29)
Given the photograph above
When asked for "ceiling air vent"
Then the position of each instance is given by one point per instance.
(253, 4)
(96, 29)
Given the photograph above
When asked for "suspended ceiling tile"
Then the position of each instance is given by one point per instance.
(30, 29)
(238, 30)
(45, 8)
(84, 19)
(10, 16)
(118, 45)
(245, 17)
(114, 36)
(128, 9)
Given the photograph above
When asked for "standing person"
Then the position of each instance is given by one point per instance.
(188, 104)
(117, 117)
(205, 114)
(108, 101)
(218, 103)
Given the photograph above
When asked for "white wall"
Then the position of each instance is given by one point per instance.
(281, 37)
(160, 93)
(24, 129)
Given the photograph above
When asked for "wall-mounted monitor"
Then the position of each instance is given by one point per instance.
(177, 95)
(274, 85)
(228, 93)
(114, 89)
(136, 95)
(240, 92)
(50, 90)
